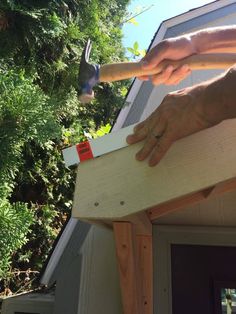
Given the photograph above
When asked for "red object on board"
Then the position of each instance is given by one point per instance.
(84, 151)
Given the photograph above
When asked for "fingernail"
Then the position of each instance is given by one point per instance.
(170, 68)
(139, 156)
(129, 139)
(152, 163)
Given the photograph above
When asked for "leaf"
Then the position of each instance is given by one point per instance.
(142, 52)
(131, 50)
(136, 46)
(133, 21)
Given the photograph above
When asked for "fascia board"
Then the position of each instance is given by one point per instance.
(197, 12)
(58, 251)
(128, 104)
(116, 185)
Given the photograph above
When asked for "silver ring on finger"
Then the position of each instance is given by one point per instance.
(157, 136)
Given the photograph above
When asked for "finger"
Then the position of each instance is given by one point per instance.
(147, 148)
(163, 76)
(160, 150)
(141, 130)
(140, 126)
(150, 61)
(178, 75)
(144, 124)
(143, 78)
(154, 56)
(179, 79)
(137, 136)
(151, 141)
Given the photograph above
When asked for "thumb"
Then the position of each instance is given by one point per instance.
(151, 60)
(147, 65)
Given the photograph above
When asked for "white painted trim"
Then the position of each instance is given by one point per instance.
(128, 104)
(160, 35)
(207, 8)
(70, 156)
(136, 86)
(164, 236)
(58, 251)
(131, 95)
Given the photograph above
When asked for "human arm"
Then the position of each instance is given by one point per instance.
(210, 40)
(185, 112)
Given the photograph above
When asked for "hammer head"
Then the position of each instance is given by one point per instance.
(88, 75)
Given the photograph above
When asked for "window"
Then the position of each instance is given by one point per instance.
(228, 301)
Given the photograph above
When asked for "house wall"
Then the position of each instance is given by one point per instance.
(88, 281)
(99, 285)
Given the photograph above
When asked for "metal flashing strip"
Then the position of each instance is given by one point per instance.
(96, 147)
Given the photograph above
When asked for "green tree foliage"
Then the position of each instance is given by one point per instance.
(15, 221)
(25, 115)
(41, 43)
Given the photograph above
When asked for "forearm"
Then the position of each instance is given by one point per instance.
(213, 40)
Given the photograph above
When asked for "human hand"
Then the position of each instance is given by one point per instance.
(180, 114)
(173, 49)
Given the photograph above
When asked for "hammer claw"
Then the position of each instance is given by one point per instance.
(88, 74)
(87, 50)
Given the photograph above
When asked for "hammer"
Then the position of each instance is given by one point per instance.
(92, 74)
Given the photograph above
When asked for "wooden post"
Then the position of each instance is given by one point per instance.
(144, 255)
(134, 254)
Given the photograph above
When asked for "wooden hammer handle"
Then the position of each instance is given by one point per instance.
(125, 70)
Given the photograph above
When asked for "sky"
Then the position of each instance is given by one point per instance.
(149, 21)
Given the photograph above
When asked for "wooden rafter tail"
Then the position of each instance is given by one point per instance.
(223, 187)
(174, 205)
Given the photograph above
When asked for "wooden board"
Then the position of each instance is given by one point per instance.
(128, 267)
(145, 271)
(135, 263)
(116, 185)
(217, 210)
